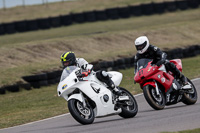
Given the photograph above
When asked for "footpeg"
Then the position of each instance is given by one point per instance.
(123, 98)
(187, 87)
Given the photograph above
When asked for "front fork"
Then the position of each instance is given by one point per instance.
(154, 84)
(78, 96)
(157, 91)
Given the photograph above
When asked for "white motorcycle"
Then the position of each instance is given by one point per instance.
(89, 98)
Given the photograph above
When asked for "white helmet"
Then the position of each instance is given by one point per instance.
(142, 44)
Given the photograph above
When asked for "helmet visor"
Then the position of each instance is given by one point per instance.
(141, 46)
(65, 63)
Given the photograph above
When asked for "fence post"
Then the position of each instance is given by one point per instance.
(23, 3)
(4, 4)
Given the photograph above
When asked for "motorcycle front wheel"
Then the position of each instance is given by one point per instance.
(130, 107)
(190, 97)
(155, 101)
(84, 115)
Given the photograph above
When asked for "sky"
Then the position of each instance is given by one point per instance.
(13, 3)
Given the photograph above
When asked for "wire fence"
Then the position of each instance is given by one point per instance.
(12, 3)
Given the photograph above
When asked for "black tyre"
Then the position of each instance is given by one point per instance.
(190, 97)
(130, 108)
(155, 101)
(84, 115)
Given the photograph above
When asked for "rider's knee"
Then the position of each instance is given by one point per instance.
(102, 75)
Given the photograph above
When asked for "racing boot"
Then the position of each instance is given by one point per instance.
(116, 91)
(178, 74)
(109, 82)
(112, 86)
(183, 79)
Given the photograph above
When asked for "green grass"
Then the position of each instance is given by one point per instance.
(32, 52)
(167, 22)
(186, 131)
(27, 106)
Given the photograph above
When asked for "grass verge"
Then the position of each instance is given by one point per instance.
(62, 8)
(186, 131)
(27, 106)
(26, 53)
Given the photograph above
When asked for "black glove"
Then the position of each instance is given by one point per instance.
(84, 66)
(160, 62)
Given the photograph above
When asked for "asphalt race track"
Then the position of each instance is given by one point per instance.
(172, 118)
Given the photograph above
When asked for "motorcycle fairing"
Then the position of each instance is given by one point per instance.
(151, 74)
(102, 108)
(88, 87)
(116, 77)
(178, 63)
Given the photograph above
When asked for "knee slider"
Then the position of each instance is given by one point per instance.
(104, 73)
(98, 75)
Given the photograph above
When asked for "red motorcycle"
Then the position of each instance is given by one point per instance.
(160, 88)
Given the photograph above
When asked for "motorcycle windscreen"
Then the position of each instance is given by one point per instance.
(142, 63)
(67, 71)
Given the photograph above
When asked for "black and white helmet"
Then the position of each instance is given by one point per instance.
(142, 44)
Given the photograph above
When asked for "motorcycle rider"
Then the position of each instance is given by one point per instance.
(146, 50)
(69, 59)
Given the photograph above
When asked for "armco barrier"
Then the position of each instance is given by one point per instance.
(48, 78)
(91, 16)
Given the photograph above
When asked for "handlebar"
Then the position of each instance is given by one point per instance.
(84, 74)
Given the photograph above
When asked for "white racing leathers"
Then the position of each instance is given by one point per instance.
(81, 63)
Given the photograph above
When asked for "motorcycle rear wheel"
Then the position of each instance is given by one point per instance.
(190, 98)
(157, 102)
(130, 108)
(84, 115)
